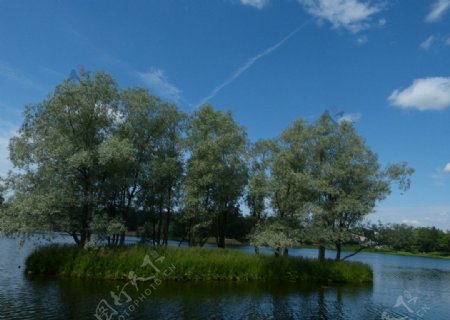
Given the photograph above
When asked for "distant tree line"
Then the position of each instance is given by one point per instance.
(96, 161)
(402, 237)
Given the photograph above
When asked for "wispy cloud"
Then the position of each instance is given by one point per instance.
(425, 45)
(259, 4)
(438, 9)
(9, 73)
(428, 216)
(447, 168)
(447, 41)
(158, 82)
(362, 39)
(440, 176)
(424, 94)
(352, 15)
(435, 40)
(350, 117)
(250, 62)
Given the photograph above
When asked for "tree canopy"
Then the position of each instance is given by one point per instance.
(96, 161)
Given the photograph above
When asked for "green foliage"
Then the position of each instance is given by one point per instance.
(326, 178)
(93, 159)
(401, 237)
(275, 233)
(84, 154)
(191, 264)
(259, 187)
(216, 173)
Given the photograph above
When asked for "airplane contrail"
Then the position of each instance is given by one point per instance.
(250, 62)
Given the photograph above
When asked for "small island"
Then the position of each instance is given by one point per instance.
(189, 264)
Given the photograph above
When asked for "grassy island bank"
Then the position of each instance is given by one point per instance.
(183, 264)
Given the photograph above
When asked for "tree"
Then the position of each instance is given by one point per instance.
(348, 180)
(258, 189)
(216, 173)
(155, 129)
(290, 180)
(84, 155)
(58, 154)
(324, 180)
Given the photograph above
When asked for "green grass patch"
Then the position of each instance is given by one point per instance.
(183, 264)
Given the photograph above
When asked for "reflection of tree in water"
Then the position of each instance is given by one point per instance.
(224, 300)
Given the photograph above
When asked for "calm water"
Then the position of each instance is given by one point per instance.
(403, 288)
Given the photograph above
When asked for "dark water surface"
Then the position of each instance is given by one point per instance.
(404, 288)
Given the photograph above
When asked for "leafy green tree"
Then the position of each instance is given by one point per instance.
(85, 154)
(216, 173)
(398, 236)
(58, 157)
(325, 181)
(155, 129)
(429, 239)
(258, 189)
(348, 181)
(290, 179)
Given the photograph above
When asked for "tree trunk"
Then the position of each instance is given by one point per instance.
(166, 229)
(286, 252)
(321, 253)
(153, 230)
(221, 229)
(190, 234)
(338, 250)
(122, 238)
(167, 222)
(160, 223)
(76, 239)
(277, 251)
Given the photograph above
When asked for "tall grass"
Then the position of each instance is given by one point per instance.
(189, 264)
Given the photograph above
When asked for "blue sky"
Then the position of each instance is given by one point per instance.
(384, 64)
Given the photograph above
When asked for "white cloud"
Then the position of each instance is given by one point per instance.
(413, 222)
(447, 168)
(438, 9)
(259, 4)
(382, 22)
(362, 39)
(158, 82)
(427, 216)
(352, 15)
(435, 41)
(351, 117)
(427, 43)
(424, 94)
(439, 177)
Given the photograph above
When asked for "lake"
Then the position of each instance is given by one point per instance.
(404, 288)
